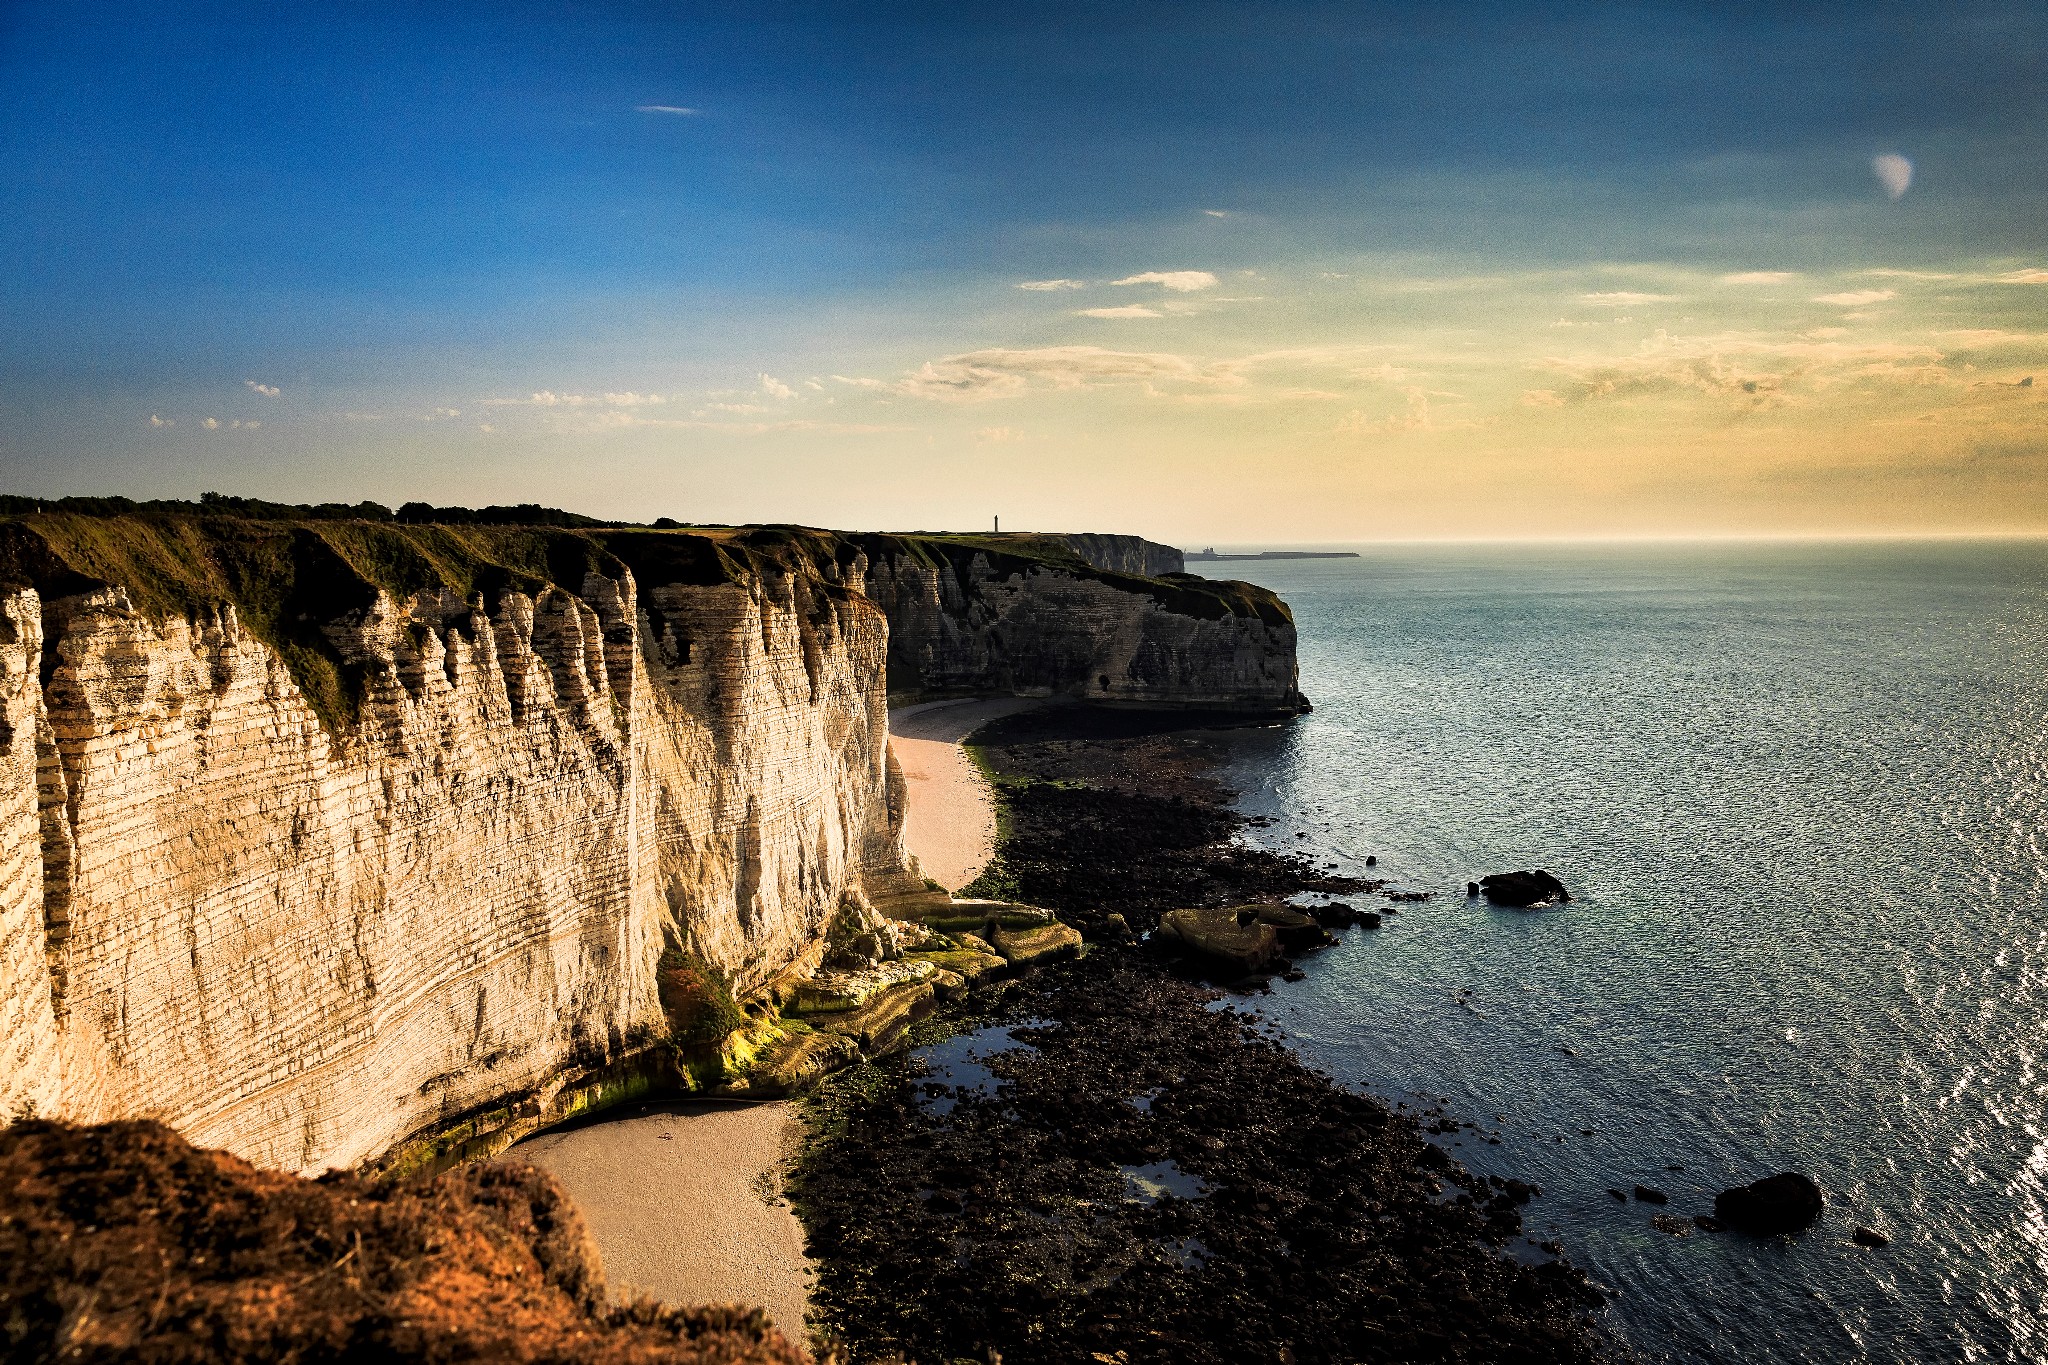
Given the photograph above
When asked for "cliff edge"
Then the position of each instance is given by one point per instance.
(326, 839)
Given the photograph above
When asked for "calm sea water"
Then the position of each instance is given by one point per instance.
(1800, 794)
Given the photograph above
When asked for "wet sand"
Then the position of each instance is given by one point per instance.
(685, 1203)
(949, 824)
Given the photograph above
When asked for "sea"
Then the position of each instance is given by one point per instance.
(1799, 793)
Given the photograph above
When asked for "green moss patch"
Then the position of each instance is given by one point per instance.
(697, 998)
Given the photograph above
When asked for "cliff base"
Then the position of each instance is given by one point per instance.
(1103, 1165)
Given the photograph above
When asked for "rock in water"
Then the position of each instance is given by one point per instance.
(1786, 1202)
(1244, 943)
(1523, 890)
(1870, 1237)
(1295, 929)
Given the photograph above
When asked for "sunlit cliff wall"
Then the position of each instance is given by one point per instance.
(315, 837)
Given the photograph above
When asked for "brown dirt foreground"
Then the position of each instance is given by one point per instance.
(125, 1242)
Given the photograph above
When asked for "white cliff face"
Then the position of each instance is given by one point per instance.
(306, 947)
(417, 931)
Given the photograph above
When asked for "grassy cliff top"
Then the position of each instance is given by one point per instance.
(288, 575)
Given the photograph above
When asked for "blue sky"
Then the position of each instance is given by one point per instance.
(392, 213)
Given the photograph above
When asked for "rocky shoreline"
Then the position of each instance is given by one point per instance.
(1105, 1160)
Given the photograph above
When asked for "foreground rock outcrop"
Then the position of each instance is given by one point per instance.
(336, 842)
(124, 1242)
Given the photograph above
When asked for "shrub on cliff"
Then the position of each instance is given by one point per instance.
(697, 998)
(125, 1242)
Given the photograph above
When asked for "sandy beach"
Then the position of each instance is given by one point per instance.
(949, 825)
(684, 1200)
(685, 1203)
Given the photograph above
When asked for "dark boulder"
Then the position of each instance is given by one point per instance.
(1523, 890)
(1335, 915)
(1870, 1237)
(1296, 929)
(1650, 1195)
(1786, 1202)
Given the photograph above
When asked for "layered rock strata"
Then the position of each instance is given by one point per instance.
(324, 841)
(1127, 554)
(981, 615)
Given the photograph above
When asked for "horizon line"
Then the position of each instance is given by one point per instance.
(1626, 538)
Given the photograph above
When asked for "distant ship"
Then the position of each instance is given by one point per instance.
(1209, 554)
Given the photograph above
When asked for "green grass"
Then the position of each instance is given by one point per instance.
(287, 579)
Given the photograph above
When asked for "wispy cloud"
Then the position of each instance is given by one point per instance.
(1623, 298)
(1282, 375)
(1129, 310)
(1857, 298)
(997, 373)
(1755, 371)
(1049, 285)
(1217, 213)
(162, 422)
(548, 398)
(1416, 416)
(2032, 275)
(662, 109)
(267, 390)
(630, 421)
(775, 388)
(1759, 277)
(1180, 281)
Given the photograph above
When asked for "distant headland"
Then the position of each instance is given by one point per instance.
(1209, 555)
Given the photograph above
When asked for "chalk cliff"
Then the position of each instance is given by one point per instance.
(1127, 554)
(317, 838)
(1028, 615)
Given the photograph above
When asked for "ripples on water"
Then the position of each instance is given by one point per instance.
(1797, 792)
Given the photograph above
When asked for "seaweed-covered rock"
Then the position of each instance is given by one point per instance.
(798, 1061)
(832, 992)
(881, 1024)
(969, 964)
(1243, 943)
(1034, 947)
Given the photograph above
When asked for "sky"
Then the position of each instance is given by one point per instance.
(1279, 272)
